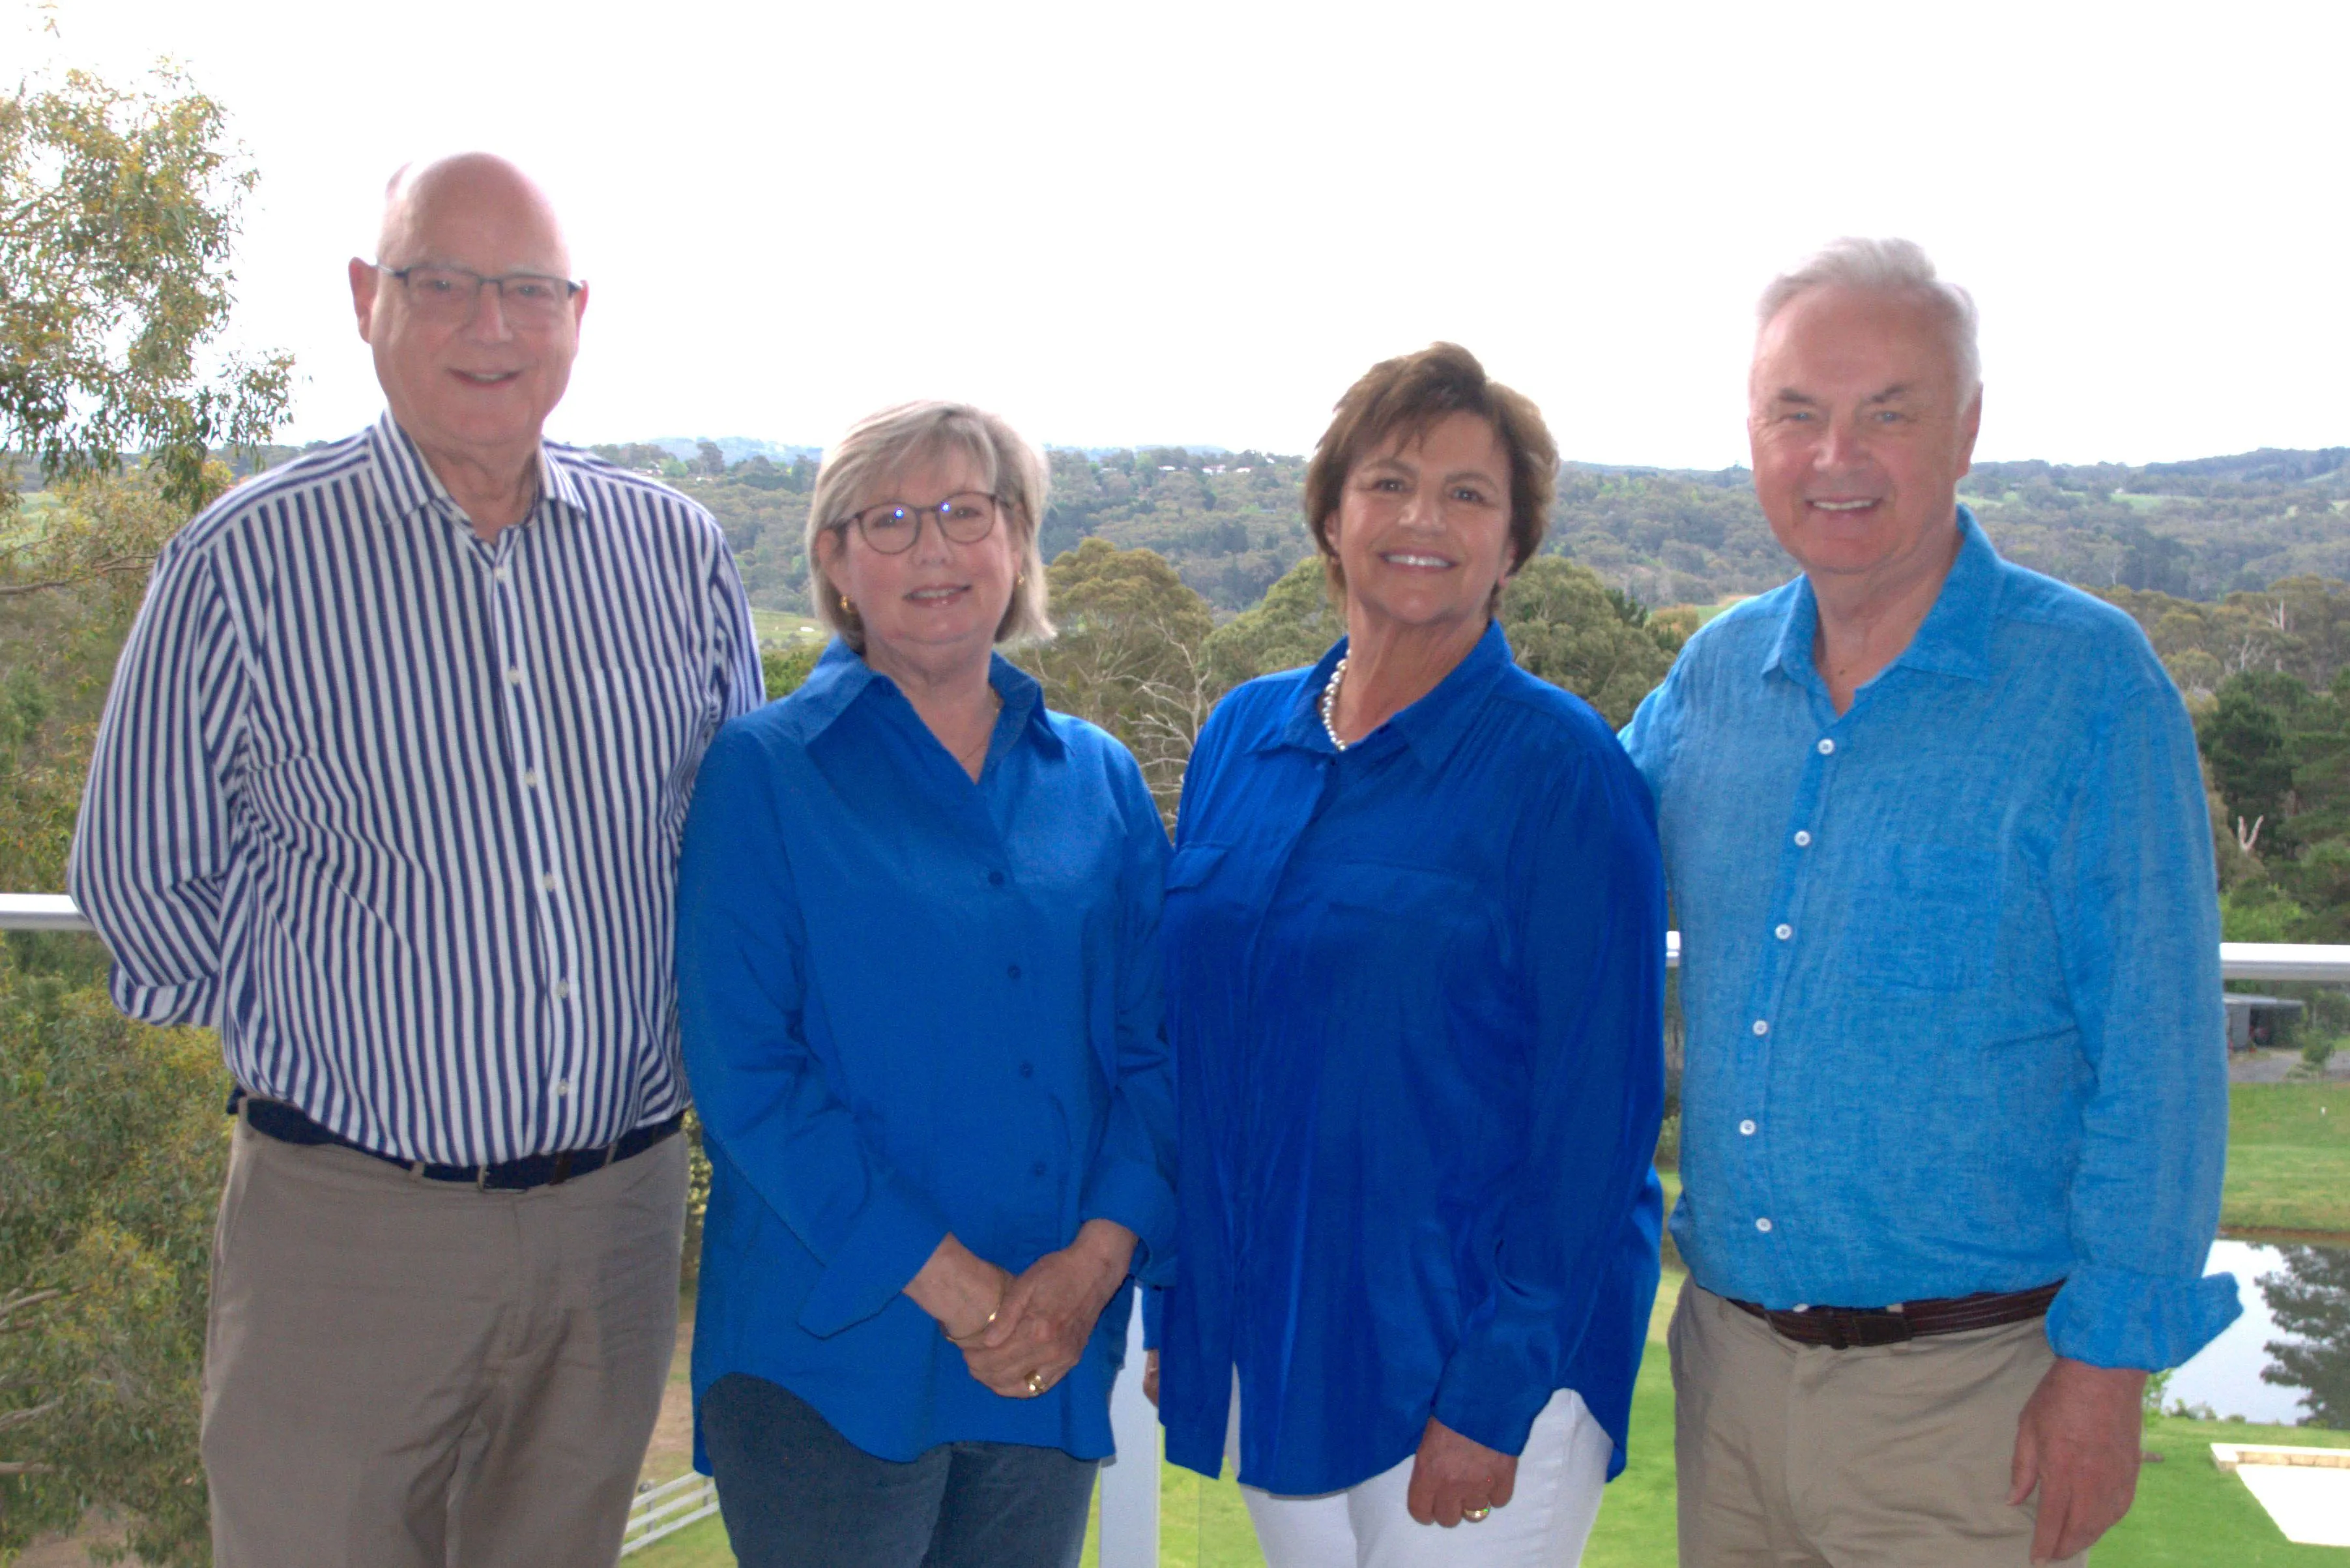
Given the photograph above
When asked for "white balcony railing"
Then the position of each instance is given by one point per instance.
(667, 1509)
(2238, 960)
(1129, 1490)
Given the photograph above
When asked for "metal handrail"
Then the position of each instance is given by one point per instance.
(40, 912)
(2238, 960)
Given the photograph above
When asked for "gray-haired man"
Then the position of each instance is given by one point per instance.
(1955, 1102)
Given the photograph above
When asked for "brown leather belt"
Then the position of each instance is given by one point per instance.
(1853, 1328)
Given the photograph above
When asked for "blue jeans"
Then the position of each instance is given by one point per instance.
(794, 1493)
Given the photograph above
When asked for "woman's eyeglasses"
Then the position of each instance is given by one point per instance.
(963, 518)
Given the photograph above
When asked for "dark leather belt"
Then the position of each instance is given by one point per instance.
(272, 1119)
(1853, 1328)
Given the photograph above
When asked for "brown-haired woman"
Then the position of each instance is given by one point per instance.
(1414, 938)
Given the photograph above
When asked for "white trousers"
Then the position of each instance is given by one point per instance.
(1549, 1515)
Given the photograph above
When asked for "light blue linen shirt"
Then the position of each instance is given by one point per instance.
(1950, 966)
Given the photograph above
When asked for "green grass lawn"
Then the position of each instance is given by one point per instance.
(781, 628)
(2288, 1159)
(2189, 1515)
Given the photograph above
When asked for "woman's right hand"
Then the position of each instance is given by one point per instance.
(961, 1290)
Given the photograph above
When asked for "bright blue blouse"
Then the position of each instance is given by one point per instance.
(913, 1004)
(1416, 994)
(1950, 960)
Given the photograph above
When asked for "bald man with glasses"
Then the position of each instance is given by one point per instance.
(389, 791)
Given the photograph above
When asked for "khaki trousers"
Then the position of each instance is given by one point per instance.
(1793, 1456)
(407, 1374)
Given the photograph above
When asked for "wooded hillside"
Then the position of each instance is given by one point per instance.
(1230, 522)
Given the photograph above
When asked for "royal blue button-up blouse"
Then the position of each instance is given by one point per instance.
(1415, 990)
(915, 1006)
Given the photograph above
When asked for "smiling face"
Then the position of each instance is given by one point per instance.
(479, 390)
(1861, 431)
(1423, 527)
(936, 607)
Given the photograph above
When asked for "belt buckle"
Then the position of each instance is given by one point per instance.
(1868, 1331)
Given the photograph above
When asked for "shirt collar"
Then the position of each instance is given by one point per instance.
(1953, 639)
(1430, 727)
(841, 676)
(407, 482)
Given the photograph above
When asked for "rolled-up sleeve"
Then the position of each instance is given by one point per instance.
(766, 1098)
(2137, 914)
(1594, 931)
(153, 844)
(1132, 1178)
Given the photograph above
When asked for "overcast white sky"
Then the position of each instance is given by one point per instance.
(1197, 222)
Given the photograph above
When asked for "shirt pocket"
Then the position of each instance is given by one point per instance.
(1384, 922)
(1930, 920)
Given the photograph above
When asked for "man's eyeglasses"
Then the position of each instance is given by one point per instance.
(449, 295)
(892, 528)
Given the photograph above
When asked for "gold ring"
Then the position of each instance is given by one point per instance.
(1036, 1384)
(1475, 1515)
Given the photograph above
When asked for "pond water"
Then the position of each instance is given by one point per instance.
(2297, 1299)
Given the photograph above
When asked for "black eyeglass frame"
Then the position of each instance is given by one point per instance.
(937, 514)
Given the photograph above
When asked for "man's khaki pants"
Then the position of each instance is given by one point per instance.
(1795, 1456)
(408, 1374)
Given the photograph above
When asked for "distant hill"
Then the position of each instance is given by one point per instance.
(735, 449)
(1229, 521)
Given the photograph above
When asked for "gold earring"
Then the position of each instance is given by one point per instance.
(846, 607)
(1019, 579)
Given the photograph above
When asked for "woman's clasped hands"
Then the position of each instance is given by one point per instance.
(1021, 1333)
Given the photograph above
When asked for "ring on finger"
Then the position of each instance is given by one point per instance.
(1476, 1515)
(1035, 1383)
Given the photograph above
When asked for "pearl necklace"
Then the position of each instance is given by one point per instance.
(1330, 702)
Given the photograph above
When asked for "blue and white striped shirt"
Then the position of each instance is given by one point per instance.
(398, 811)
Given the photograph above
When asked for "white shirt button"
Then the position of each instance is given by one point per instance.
(1747, 1127)
(562, 989)
(1782, 932)
(1763, 1225)
(1826, 745)
(514, 674)
(562, 1087)
(499, 573)
(1803, 838)
(1761, 1026)
(547, 882)
(530, 779)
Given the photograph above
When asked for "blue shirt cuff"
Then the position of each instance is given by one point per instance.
(886, 1248)
(1492, 1397)
(2115, 1317)
(1136, 1197)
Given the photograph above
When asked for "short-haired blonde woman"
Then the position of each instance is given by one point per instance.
(917, 928)
(1414, 965)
